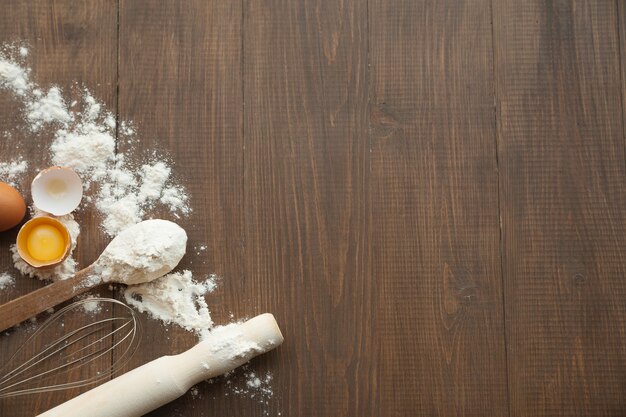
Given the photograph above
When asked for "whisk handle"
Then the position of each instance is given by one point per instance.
(16, 311)
(158, 382)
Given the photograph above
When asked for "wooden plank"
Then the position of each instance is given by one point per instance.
(621, 25)
(305, 195)
(434, 210)
(69, 43)
(180, 83)
(561, 153)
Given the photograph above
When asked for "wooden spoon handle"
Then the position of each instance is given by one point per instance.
(16, 311)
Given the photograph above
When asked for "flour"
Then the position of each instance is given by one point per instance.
(92, 307)
(47, 109)
(6, 281)
(229, 342)
(123, 188)
(129, 195)
(86, 149)
(252, 385)
(12, 172)
(142, 253)
(175, 298)
(14, 77)
(86, 138)
(65, 269)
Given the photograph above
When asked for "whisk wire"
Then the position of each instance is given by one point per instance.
(102, 351)
(24, 367)
(82, 347)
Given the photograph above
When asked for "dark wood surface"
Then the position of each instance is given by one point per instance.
(428, 194)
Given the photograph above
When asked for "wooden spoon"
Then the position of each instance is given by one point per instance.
(29, 305)
(171, 239)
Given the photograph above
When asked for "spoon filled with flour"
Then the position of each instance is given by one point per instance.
(139, 254)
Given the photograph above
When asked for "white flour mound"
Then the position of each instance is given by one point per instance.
(142, 253)
(6, 280)
(175, 298)
(12, 172)
(14, 77)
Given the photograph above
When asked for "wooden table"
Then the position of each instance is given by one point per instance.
(428, 194)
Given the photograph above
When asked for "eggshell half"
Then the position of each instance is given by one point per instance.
(57, 190)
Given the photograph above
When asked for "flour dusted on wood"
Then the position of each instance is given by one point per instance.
(14, 77)
(85, 140)
(47, 108)
(6, 280)
(175, 298)
(12, 172)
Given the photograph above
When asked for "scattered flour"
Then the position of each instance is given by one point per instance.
(123, 188)
(12, 172)
(6, 281)
(253, 385)
(175, 298)
(85, 140)
(128, 195)
(92, 307)
(47, 109)
(14, 77)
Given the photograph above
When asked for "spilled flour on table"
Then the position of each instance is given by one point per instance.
(177, 299)
(12, 172)
(93, 306)
(247, 383)
(6, 280)
(122, 187)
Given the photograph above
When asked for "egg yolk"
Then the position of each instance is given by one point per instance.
(45, 243)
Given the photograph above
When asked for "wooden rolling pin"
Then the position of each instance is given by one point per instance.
(164, 379)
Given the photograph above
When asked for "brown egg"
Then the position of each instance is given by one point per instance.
(12, 207)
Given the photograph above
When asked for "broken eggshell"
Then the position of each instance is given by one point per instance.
(57, 190)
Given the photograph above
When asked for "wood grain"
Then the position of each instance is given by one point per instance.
(434, 210)
(428, 194)
(29, 305)
(71, 44)
(561, 153)
(305, 123)
(180, 83)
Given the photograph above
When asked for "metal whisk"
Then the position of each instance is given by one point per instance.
(55, 358)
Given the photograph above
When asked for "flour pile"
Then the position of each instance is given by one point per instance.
(142, 253)
(12, 172)
(123, 188)
(175, 298)
(6, 280)
(86, 138)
